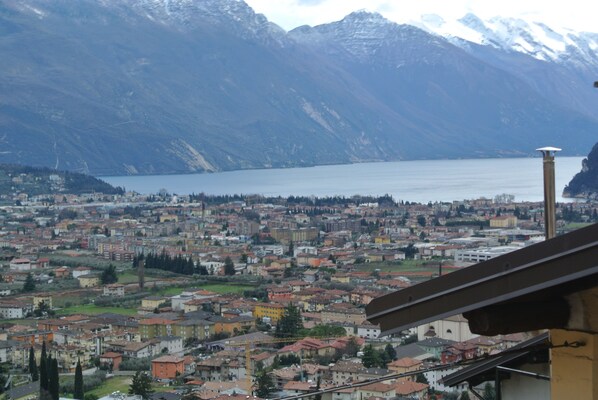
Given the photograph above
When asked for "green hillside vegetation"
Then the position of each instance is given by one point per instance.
(38, 181)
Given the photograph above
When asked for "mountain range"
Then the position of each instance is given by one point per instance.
(111, 87)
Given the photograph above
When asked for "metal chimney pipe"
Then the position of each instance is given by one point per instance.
(549, 191)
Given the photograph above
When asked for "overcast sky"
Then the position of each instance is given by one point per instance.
(575, 14)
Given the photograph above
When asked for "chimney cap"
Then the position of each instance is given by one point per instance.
(548, 148)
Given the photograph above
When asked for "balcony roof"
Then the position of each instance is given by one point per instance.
(534, 275)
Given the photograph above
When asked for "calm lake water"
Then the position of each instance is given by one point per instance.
(420, 181)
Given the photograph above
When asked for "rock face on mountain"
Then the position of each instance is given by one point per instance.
(585, 183)
(166, 86)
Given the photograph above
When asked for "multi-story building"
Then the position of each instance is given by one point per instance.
(20, 264)
(167, 367)
(479, 255)
(285, 235)
(194, 329)
(272, 311)
(154, 327)
(503, 221)
(114, 290)
(152, 302)
(38, 298)
(232, 325)
(88, 281)
(12, 309)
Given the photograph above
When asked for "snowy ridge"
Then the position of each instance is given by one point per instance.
(510, 34)
(363, 34)
(234, 13)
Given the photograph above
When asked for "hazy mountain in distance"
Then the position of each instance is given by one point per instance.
(165, 86)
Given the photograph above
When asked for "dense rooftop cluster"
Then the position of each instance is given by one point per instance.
(219, 296)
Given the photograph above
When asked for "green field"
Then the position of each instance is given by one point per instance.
(121, 384)
(132, 277)
(575, 225)
(114, 384)
(92, 309)
(225, 288)
(221, 288)
(171, 291)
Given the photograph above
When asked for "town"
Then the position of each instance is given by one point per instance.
(169, 296)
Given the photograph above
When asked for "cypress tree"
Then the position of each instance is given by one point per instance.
(54, 383)
(33, 365)
(79, 393)
(43, 371)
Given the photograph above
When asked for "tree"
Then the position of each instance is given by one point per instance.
(319, 395)
(290, 324)
(43, 309)
(352, 347)
(229, 266)
(109, 275)
(421, 378)
(53, 379)
(326, 330)
(489, 391)
(79, 393)
(43, 374)
(29, 285)
(286, 360)
(141, 385)
(201, 269)
(390, 351)
(371, 357)
(264, 383)
(33, 366)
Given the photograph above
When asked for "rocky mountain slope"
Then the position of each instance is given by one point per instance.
(585, 183)
(164, 86)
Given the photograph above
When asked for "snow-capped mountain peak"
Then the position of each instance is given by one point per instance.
(514, 34)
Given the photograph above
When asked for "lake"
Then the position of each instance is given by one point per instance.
(419, 181)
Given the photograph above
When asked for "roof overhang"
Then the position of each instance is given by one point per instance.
(528, 278)
(535, 348)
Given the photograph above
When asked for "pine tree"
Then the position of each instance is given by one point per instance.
(79, 392)
(29, 285)
(290, 324)
(141, 384)
(390, 351)
(33, 366)
(264, 384)
(229, 266)
(109, 275)
(371, 357)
